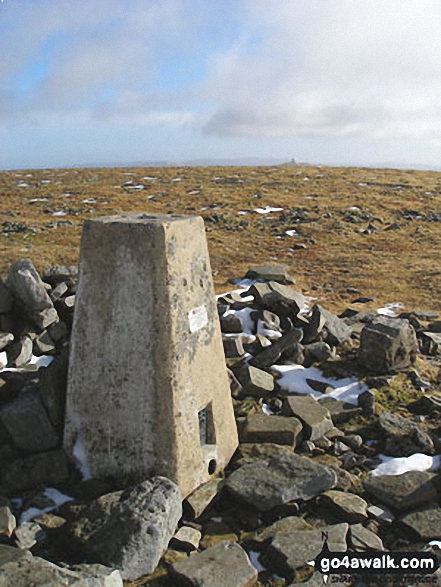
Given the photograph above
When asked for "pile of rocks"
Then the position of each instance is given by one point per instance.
(307, 465)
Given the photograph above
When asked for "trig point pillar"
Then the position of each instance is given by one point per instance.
(148, 390)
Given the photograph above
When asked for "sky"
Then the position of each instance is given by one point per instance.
(332, 82)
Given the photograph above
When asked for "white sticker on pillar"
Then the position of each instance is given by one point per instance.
(197, 318)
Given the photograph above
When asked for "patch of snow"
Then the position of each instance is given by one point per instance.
(89, 201)
(59, 213)
(399, 465)
(42, 361)
(392, 309)
(80, 455)
(37, 362)
(294, 379)
(242, 213)
(38, 200)
(267, 210)
(3, 359)
(194, 192)
(292, 232)
(245, 316)
(178, 179)
(216, 519)
(55, 496)
(267, 410)
(149, 178)
(271, 334)
(254, 559)
(138, 187)
(68, 195)
(245, 282)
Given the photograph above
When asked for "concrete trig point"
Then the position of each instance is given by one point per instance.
(148, 390)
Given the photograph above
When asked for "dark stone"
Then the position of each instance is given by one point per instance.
(20, 352)
(314, 416)
(266, 484)
(278, 273)
(404, 437)
(255, 382)
(33, 472)
(387, 345)
(271, 354)
(231, 324)
(339, 411)
(5, 339)
(424, 524)
(402, 492)
(276, 429)
(335, 330)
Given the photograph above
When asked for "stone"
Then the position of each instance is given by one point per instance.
(317, 352)
(255, 382)
(59, 290)
(28, 535)
(282, 300)
(271, 272)
(45, 318)
(363, 539)
(387, 345)
(288, 477)
(381, 513)
(10, 554)
(430, 343)
(170, 380)
(53, 383)
(231, 324)
(198, 501)
(8, 522)
(334, 329)
(223, 565)
(130, 529)
(39, 470)
(5, 339)
(348, 507)
(43, 344)
(5, 298)
(271, 354)
(404, 437)
(28, 424)
(277, 429)
(366, 402)
(20, 352)
(339, 411)
(290, 551)
(423, 524)
(186, 538)
(233, 346)
(402, 492)
(217, 531)
(60, 273)
(315, 417)
(28, 570)
(25, 284)
(288, 524)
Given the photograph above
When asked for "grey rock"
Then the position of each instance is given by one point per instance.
(290, 551)
(348, 507)
(45, 318)
(233, 346)
(288, 524)
(282, 300)
(363, 539)
(59, 273)
(366, 402)
(381, 513)
(235, 386)
(280, 479)
(130, 530)
(53, 382)
(404, 437)
(223, 565)
(402, 492)
(255, 382)
(186, 538)
(39, 470)
(430, 343)
(271, 272)
(27, 570)
(26, 285)
(198, 501)
(28, 424)
(28, 535)
(58, 331)
(335, 330)
(271, 354)
(8, 522)
(231, 324)
(315, 417)
(424, 524)
(10, 554)
(5, 298)
(43, 344)
(277, 429)
(354, 441)
(387, 345)
(59, 290)
(318, 351)
(5, 339)
(339, 411)
(20, 352)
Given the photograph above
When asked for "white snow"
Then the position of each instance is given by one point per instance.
(392, 309)
(42, 361)
(55, 496)
(149, 178)
(267, 210)
(59, 213)
(399, 465)
(291, 233)
(178, 179)
(80, 455)
(38, 200)
(138, 187)
(89, 201)
(3, 359)
(267, 410)
(254, 559)
(194, 192)
(294, 379)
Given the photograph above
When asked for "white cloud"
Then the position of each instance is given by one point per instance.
(334, 68)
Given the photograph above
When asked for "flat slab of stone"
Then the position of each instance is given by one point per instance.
(402, 492)
(363, 539)
(130, 529)
(286, 477)
(315, 418)
(348, 507)
(276, 429)
(424, 524)
(198, 501)
(339, 411)
(255, 382)
(292, 550)
(404, 437)
(223, 565)
(272, 272)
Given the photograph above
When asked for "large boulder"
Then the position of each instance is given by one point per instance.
(404, 437)
(131, 529)
(387, 345)
(284, 477)
(315, 418)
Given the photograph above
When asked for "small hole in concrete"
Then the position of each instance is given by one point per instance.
(201, 283)
(212, 467)
(184, 282)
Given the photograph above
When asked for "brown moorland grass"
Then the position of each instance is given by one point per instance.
(376, 230)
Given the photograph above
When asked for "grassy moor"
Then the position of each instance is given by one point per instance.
(343, 232)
